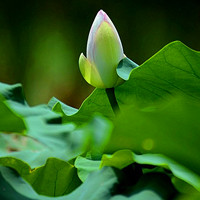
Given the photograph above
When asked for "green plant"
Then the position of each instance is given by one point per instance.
(147, 150)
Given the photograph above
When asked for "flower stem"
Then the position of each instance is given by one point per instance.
(112, 99)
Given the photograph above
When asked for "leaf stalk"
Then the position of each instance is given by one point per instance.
(112, 99)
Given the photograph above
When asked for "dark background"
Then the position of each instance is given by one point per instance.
(40, 41)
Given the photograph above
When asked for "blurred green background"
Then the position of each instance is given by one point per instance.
(41, 40)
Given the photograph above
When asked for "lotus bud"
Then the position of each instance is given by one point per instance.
(104, 52)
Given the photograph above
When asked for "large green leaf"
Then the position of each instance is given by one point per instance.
(60, 176)
(97, 186)
(173, 131)
(56, 178)
(97, 102)
(173, 70)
